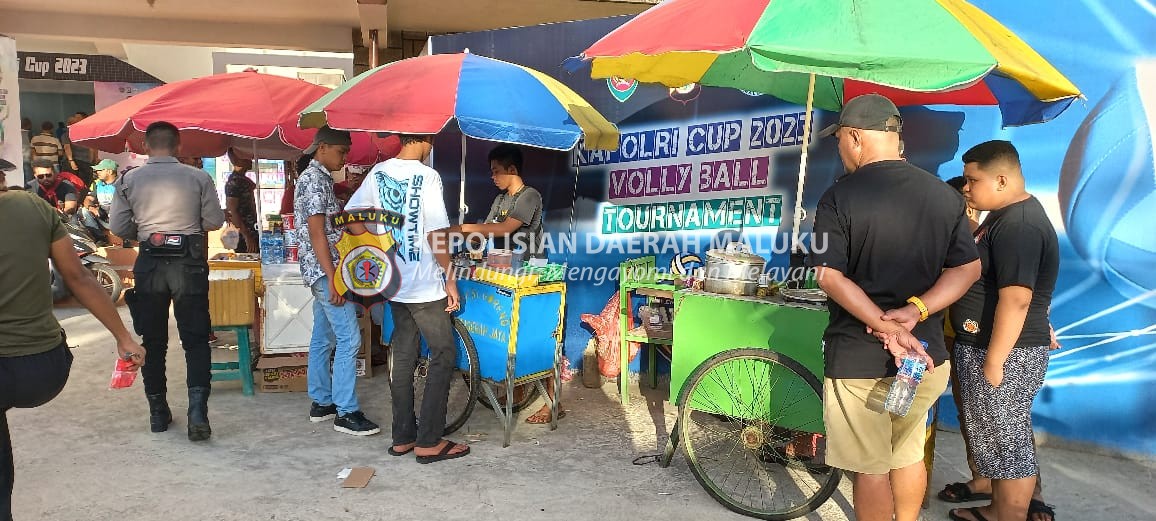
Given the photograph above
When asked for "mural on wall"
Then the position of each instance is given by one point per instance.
(1092, 168)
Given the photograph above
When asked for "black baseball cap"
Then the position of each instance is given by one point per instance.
(868, 112)
(329, 136)
(6, 165)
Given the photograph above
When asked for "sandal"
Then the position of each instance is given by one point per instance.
(535, 419)
(974, 511)
(445, 454)
(1039, 507)
(395, 452)
(961, 493)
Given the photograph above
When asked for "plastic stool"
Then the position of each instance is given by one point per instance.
(242, 369)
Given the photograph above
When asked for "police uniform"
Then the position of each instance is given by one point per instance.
(168, 207)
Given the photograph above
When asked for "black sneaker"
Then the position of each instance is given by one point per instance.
(319, 413)
(356, 424)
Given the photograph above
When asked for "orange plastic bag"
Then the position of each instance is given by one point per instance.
(605, 325)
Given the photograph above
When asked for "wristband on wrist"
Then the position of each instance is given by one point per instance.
(922, 307)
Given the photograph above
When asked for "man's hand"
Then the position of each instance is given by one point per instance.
(131, 352)
(900, 343)
(993, 372)
(453, 299)
(335, 298)
(906, 316)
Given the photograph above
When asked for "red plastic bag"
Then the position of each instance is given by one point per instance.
(123, 375)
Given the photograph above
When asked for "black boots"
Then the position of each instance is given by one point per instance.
(159, 414)
(199, 414)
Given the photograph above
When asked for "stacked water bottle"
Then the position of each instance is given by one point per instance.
(273, 241)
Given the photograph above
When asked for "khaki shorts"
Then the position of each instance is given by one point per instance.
(863, 437)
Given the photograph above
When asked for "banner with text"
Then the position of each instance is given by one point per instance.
(703, 175)
(11, 142)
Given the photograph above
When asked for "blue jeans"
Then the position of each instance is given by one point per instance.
(333, 382)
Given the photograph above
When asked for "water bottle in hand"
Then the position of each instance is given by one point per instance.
(902, 391)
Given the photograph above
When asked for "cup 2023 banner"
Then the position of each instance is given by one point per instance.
(700, 160)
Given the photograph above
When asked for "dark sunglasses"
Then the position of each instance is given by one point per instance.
(45, 176)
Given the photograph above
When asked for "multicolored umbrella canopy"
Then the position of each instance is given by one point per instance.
(490, 99)
(915, 52)
(239, 110)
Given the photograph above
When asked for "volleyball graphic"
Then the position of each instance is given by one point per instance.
(1108, 184)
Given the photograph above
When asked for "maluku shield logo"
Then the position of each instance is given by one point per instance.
(367, 272)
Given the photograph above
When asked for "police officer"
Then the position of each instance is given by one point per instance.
(169, 207)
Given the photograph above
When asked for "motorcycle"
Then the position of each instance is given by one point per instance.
(100, 266)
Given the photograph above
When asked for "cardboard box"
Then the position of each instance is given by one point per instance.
(231, 297)
(283, 373)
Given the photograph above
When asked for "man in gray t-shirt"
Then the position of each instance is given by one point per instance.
(515, 222)
(515, 218)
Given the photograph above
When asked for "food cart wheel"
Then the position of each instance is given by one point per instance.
(524, 395)
(741, 415)
(464, 388)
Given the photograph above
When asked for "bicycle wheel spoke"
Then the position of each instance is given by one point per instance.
(731, 433)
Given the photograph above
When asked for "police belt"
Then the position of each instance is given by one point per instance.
(173, 245)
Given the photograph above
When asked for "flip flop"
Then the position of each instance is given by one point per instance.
(961, 493)
(974, 511)
(446, 455)
(546, 421)
(1039, 507)
(393, 452)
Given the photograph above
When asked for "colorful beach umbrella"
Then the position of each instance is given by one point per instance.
(248, 111)
(915, 52)
(490, 99)
(823, 52)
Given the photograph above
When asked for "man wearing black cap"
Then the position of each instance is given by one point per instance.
(169, 207)
(895, 237)
(332, 377)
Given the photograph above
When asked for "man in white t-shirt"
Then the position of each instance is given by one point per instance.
(427, 295)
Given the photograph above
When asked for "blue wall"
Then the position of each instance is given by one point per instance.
(1093, 167)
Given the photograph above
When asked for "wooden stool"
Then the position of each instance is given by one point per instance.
(242, 369)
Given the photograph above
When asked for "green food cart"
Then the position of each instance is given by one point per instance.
(746, 375)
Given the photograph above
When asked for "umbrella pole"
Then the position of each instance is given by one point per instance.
(798, 224)
(257, 174)
(462, 208)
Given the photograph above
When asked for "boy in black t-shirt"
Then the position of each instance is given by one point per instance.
(1002, 330)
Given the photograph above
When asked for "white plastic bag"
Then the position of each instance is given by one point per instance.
(230, 236)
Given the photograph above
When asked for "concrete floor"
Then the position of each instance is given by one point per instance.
(88, 455)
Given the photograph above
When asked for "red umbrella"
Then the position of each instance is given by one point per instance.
(248, 111)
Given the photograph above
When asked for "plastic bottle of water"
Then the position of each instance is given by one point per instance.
(267, 247)
(277, 241)
(902, 391)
